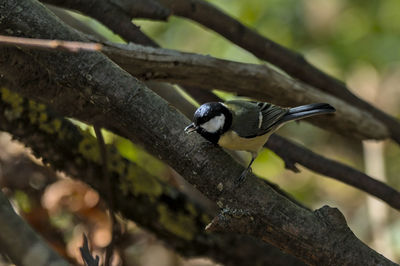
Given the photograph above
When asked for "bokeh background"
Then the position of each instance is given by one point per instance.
(356, 41)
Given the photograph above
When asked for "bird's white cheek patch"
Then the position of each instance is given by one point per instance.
(214, 124)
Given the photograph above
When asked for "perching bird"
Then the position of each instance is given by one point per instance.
(247, 125)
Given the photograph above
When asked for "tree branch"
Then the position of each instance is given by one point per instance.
(131, 34)
(265, 83)
(292, 63)
(125, 105)
(288, 151)
(49, 44)
(165, 90)
(292, 153)
(118, 14)
(258, 81)
(241, 222)
(159, 207)
(246, 79)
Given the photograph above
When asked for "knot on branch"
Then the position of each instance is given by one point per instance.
(231, 220)
(331, 217)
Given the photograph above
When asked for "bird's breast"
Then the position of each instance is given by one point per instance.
(231, 140)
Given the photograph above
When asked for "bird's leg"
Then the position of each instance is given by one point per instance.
(243, 175)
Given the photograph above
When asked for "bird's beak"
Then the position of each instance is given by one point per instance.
(190, 128)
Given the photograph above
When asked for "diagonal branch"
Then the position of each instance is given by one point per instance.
(119, 102)
(130, 34)
(289, 152)
(292, 63)
(258, 81)
(292, 154)
(224, 197)
(118, 14)
(246, 79)
(271, 86)
(66, 148)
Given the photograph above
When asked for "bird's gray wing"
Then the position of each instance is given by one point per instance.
(254, 118)
(271, 115)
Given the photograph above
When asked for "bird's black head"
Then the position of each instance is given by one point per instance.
(211, 120)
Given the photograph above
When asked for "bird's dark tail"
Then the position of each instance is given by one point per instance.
(308, 110)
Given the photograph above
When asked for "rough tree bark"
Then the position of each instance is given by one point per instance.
(159, 207)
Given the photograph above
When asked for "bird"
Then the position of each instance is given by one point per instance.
(246, 125)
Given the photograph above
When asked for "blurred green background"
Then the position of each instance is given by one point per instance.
(356, 41)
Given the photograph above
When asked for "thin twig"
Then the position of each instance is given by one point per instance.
(115, 17)
(110, 194)
(49, 44)
(86, 255)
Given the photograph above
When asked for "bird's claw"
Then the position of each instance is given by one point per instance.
(242, 177)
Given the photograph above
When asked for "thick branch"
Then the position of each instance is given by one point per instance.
(259, 81)
(293, 154)
(159, 207)
(20, 242)
(333, 221)
(224, 196)
(127, 106)
(134, 35)
(246, 79)
(165, 90)
(293, 63)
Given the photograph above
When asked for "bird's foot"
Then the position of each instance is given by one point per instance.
(242, 177)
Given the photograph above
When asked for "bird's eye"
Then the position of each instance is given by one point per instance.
(202, 120)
